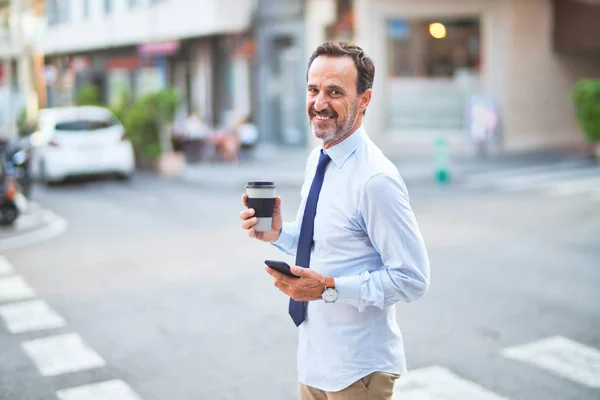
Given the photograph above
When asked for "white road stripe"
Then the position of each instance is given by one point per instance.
(482, 177)
(437, 383)
(575, 186)
(113, 390)
(62, 354)
(5, 267)
(561, 356)
(529, 181)
(30, 316)
(13, 288)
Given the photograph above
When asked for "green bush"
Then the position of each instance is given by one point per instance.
(147, 119)
(586, 97)
(88, 95)
(122, 106)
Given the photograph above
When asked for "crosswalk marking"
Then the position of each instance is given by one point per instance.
(484, 177)
(14, 288)
(30, 316)
(575, 186)
(564, 179)
(62, 354)
(527, 180)
(113, 390)
(437, 383)
(5, 267)
(561, 356)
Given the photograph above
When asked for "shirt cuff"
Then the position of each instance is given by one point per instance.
(286, 240)
(348, 288)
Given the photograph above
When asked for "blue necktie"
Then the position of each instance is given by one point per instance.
(305, 241)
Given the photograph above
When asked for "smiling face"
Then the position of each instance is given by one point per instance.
(333, 105)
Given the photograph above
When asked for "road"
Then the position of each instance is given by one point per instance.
(166, 294)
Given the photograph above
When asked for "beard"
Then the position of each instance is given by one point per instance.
(333, 129)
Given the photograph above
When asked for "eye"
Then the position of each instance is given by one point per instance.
(312, 90)
(335, 93)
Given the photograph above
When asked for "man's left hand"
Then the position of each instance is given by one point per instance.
(309, 287)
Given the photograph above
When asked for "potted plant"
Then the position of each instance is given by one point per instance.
(586, 98)
(148, 123)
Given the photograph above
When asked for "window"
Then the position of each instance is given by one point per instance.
(58, 11)
(107, 6)
(52, 11)
(138, 3)
(85, 125)
(433, 48)
(86, 9)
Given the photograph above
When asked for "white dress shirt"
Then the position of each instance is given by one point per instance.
(367, 238)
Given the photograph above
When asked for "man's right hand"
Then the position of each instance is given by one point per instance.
(249, 220)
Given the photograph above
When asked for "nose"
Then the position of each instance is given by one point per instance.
(320, 103)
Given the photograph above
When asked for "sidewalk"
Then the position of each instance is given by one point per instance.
(35, 225)
(285, 166)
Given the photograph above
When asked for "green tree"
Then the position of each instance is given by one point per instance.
(586, 98)
(88, 95)
(147, 123)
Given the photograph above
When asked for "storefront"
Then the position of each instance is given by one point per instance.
(433, 67)
(433, 57)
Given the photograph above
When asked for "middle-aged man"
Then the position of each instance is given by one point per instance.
(357, 244)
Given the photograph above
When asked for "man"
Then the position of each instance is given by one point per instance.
(358, 247)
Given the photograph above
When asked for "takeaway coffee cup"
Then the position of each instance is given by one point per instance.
(261, 197)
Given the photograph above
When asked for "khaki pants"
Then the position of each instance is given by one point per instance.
(375, 386)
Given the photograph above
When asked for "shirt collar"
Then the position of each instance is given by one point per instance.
(340, 152)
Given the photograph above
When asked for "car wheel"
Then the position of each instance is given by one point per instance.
(124, 176)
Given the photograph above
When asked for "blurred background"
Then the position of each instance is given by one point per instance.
(128, 129)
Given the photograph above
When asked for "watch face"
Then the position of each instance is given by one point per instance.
(330, 295)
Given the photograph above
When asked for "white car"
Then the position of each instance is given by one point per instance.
(85, 140)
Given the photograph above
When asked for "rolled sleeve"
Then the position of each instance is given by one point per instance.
(391, 226)
(348, 288)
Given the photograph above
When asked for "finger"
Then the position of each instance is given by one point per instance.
(245, 214)
(278, 276)
(299, 271)
(251, 233)
(245, 200)
(272, 272)
(277, 208)
(249, 223)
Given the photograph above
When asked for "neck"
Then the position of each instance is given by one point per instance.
(357, 125)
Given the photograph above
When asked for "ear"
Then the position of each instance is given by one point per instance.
(364, 100)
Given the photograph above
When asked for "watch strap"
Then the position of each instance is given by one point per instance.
(329, 282)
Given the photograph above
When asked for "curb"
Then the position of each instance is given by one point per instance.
(50, 226)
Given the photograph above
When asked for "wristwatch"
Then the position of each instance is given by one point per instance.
(330, 295)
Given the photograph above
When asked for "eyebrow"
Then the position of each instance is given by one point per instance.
(330, 87)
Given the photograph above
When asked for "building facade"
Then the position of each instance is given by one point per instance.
(21, 23)
(434, 56)
(201, 48)
(280, 68)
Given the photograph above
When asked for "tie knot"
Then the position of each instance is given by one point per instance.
(323, 160)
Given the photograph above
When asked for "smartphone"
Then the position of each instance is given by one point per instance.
(280, 266)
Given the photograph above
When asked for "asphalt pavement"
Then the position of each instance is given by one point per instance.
(153, 291)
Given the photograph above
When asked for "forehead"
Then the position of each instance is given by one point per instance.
(327, 70)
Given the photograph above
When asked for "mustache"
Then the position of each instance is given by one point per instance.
(325, 113)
